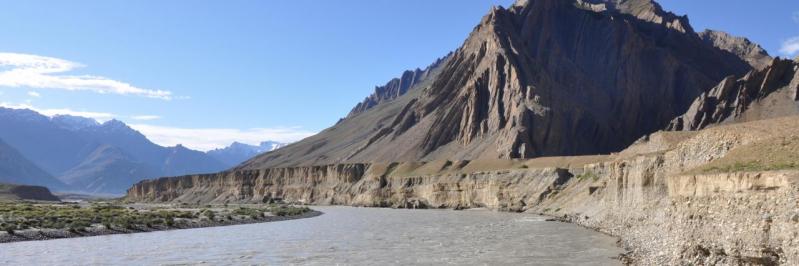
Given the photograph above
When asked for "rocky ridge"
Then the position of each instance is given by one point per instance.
(751, 52)
(767, 93)
(397, 87)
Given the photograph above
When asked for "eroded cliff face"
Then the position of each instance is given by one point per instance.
(651, 194)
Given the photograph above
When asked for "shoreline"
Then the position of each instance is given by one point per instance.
(51, 234)
(626, 258)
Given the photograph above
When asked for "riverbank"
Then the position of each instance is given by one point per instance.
(726, 195)
(25, 221)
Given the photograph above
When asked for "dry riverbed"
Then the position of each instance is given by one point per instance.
(24, 221)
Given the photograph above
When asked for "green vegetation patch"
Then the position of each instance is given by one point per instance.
(768, 155)
(72, 217)
(76, 218)
(587, 175)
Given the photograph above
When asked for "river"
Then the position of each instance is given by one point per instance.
(344, 236)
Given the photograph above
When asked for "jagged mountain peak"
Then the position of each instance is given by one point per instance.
(751, 52)
(397, 87)
(645, 10)
(74, 122)
(114, 124)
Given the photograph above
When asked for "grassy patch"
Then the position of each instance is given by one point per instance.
(751, 166)
(767, 155)
(76, 218)
(587, 175)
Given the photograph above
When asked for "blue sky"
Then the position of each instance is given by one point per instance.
(206, 73)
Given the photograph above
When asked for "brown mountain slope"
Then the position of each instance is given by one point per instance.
(543, 78)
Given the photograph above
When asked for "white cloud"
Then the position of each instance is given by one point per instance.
(205, 139)
(99, 116)
(34, 94)
(145, 117)
(33, 71)
(790, 47)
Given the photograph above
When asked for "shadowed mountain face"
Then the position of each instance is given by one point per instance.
(26, 192)
(16, 169)
(107, 170)
(542, 78)
(93, 157)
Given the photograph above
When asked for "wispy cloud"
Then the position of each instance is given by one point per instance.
(99, 116)
(145, 117)
(790, 47)
(33, 71)
(206, 139)
(34, 94)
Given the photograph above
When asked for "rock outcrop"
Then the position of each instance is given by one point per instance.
(397, 87)
(751, 52)
(542, 78)
(655, 195)
(761, 94)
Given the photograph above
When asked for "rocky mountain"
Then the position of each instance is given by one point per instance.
(398, 86)
(93, 157)
(16, 169)
(761, 94)
(237, 152)
(541, 78)
(755, 55)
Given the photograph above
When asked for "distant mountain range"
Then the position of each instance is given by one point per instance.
(237, 152)
(78, 154)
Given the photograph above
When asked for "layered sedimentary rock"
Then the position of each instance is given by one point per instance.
(542, 78)
(657, 195)
(761, 94)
